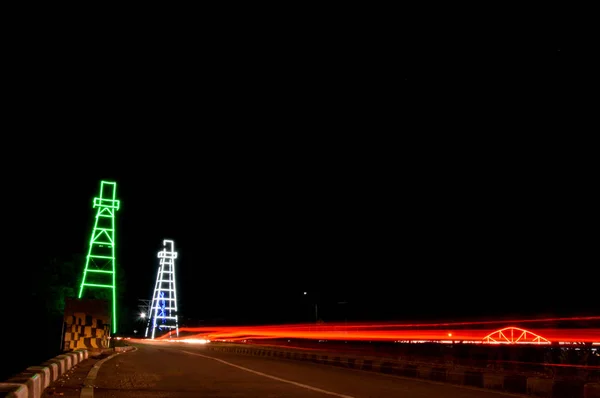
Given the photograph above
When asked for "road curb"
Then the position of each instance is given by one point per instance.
(124, 349)
(32, 382)
(88, 388)
(493, 381)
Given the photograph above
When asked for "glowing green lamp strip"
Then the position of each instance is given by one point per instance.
(98, 285)
(104, 206)
(114, 291)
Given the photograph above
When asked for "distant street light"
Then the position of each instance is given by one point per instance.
(144, 308)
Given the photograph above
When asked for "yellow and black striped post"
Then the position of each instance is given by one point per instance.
(87, 324)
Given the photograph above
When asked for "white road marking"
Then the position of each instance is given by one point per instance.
(270, 376)
(88, 388)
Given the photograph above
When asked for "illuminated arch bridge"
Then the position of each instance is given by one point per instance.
(512, 335)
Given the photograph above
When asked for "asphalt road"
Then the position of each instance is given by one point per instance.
(173, 370)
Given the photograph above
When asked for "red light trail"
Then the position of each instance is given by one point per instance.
(440, 332)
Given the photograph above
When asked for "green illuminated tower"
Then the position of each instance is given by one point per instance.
(100, 264)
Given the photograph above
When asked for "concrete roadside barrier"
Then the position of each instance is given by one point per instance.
(14, 390)
(43, 373)
(480, 378)
(514, 383)
(555, 388)
(32, 382)
(464, 377)
(591, 390)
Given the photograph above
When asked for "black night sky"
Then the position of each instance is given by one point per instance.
(435, 180)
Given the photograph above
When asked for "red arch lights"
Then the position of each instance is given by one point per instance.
(512, 335)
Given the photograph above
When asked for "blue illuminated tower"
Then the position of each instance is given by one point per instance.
(163, 310)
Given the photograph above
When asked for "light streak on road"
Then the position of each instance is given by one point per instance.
(437, 332)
